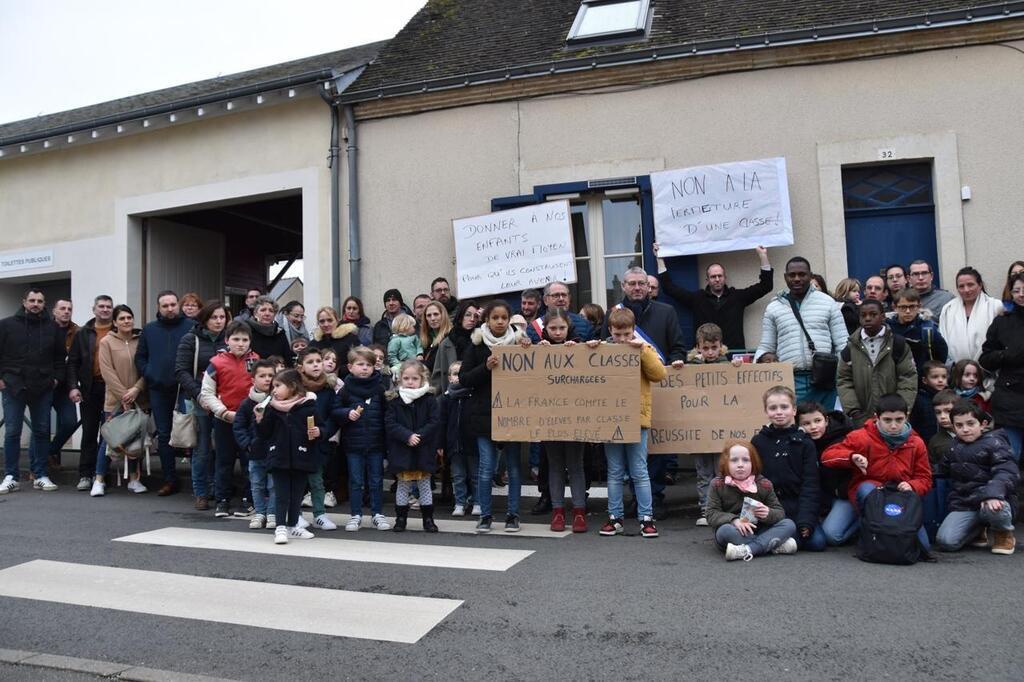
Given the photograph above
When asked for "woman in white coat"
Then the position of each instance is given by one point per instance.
(965, 320)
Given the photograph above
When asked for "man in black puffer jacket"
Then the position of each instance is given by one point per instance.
(32, 363)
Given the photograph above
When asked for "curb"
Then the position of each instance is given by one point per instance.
(117, 671)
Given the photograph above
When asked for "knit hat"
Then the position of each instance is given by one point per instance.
(393, 293)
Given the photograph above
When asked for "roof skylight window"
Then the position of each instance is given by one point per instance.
(600, 19)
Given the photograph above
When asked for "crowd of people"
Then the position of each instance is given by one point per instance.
(895, 381)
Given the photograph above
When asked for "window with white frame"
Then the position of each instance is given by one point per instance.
(604, 19)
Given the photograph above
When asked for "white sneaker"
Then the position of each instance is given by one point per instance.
(324, 523)
(734, 552)
(44, 483)
(787, 547)
(303, 523)
(414, 503)
(84, 484)
(137, 487)
(380, 522)
(354, 523)
(307, 500)
(459, 510)
(330, 501)
(271, 521)
(99, 489)
(476, 510)
(701, 521)
(281, 535)
(257, 521)
(300, 533)
(9, 485)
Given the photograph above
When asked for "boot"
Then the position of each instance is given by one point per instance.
(1003, 541)
(543, 505)
(579, 520)
(428, 518)
(558, 519)
(401, 516)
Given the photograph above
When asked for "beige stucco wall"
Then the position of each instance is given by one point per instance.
(419, 171)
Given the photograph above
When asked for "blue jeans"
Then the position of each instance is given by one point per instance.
(67, 420)
(936, 504)
(201, 463)
(372, 465)
(39, 413)
(804, 391)
(161, 401)
(761, 542)
(488, 461)
(465, 470)
(1015, 435)
(632, 456)
(846, 522)
(960, 527)
(226, 454)
(815, 543)
(707, 469)
(262, 485)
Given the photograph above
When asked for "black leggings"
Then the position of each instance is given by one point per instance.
(289, 487)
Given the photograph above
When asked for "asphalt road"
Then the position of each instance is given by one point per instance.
(582, 607)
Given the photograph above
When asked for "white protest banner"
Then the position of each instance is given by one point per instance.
(722, 207)
(522, 248)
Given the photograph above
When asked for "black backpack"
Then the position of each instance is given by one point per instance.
(889, 523)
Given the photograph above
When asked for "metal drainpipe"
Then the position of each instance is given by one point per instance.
(332, 163)
(354, 256)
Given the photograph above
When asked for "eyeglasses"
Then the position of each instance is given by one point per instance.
(441, 290)
(559, 294)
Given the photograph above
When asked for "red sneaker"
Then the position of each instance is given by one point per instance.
(579, 521)
(558, 519)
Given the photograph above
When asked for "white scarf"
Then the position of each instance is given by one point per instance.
(408, 395)
(490, 340)
(964, 335)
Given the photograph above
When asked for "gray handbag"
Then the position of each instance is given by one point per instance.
(183, 424)
(125, 433)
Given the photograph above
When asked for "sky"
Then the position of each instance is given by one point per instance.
(61, 54)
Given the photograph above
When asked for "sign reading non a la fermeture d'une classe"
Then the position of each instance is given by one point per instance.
(566, 393)
(522, 248)
(722, 207)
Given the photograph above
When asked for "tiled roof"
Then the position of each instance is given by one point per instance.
(450, 38)
(342, 60)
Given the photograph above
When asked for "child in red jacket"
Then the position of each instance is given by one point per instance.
(885, 449)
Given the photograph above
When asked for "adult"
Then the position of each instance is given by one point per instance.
(190, 362)
(819, 282)
(191, 304)
(653, 287)
(920, 331)
(783, 339)
(874, 364)
(874, 290)
(155, 358)
(419, 304)
(454, 345)
(125, 387)
(86, 386)
(720, 303)
(556, 295)
(435, 324)
(965, 320)
(352, 312)
(1016, 268)
(249, 310)
(32, 362)
(393, 306)
(895, 281)
(920, 277)
(441, 291)
(268, 339)
(292, 319)
(63, 407)
(1003, 352)
(529, 306)
(331, 332)
(847, 294)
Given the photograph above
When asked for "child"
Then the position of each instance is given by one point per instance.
(255, 448)
(310, 366)
(709, 349)
(983, 484)
(594, 314)
(922, 418)
(969, 382)
(475, 374)
(381, 354)
(622, 325)
(558, 330)
(360, 411)
(411, 424)
(790, 462)
(405, 343)
(330, 359)
(279, 365)
(739, 477)
(292, 452)
(299, 344)
(884, 449)
(226, 383)
(459, 449)
(826, 429)
(936, 501)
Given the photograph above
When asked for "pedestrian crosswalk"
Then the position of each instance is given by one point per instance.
(529, 530)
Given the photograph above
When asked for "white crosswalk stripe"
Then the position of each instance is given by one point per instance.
(528, 530)
(338, 548)
(292, 608)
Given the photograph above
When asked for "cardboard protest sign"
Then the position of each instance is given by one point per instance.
(566, 393)
(699, 407)
(722, 207)
(522, 248)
